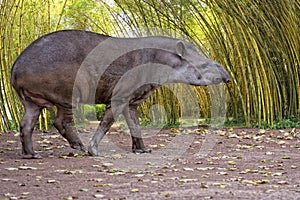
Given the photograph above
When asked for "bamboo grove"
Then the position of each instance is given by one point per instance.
(257, 42)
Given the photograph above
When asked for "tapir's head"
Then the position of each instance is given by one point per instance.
(198, 70)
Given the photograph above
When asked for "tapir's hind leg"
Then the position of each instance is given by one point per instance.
(63, 123)
(32, 112)
(131, 116)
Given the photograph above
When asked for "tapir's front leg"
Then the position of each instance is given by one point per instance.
(107, 121)
(131, 116)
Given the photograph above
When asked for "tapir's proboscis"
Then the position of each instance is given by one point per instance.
(71, 67)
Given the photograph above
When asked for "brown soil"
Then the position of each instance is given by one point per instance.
(184, 164)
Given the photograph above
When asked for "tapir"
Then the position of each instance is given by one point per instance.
(71, 67)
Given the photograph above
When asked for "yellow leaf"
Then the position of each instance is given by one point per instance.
(231, 168)
(134, 190)
(222, 173)
(250, 182)
(281, 142)
(168, 195)
(286, 157)
(174, 130)
(231, 162)
(282, 182)
(203, 185)
(262, 181)
(84, 189)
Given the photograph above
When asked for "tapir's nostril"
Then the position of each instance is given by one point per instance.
(226, 80)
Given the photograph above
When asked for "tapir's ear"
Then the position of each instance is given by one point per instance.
(180, 49)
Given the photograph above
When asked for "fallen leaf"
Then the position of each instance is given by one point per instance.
(222, 173)
(231, 162)
(139, 175)
(26, 168)
(282, 182)
(102, 184)
(12, 169)
(250, 182)
(99, 196)
(286, 157)
(281, 142)
(231, 168)
(70, 171)
(63, 156)
(168, 195)
(277, 174)
(220, 185)
(204, 168)
(210, 163)
(174, 130)
(262, 181)
(233, 135)
(188, 169)
(134, 190)
(107, 164)
(149, 163)
(203, 185)
(185, 180)
(117, 156)
(78, 155)
(222, 133)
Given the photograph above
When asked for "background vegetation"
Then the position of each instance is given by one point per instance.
(257, 42)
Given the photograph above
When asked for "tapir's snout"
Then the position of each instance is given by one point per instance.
(211, 73)
(226, 79)
(224, 74)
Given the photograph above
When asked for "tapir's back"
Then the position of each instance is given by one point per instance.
(48, 66)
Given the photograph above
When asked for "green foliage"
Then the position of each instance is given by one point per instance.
(100, 109)
(93, 112)
(235, 122)
(292, 122)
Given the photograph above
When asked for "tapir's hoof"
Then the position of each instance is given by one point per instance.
(78, 146)
(142, 150)
(93, 151)
(32, 156)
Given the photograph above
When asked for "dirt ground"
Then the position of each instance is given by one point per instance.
(190, 163)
